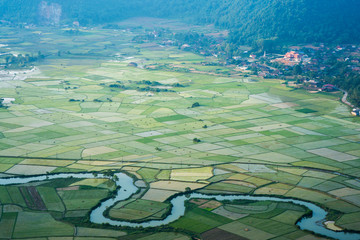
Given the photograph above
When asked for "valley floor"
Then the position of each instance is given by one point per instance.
(91, 109)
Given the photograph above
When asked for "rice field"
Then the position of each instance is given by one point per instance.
(253, 137)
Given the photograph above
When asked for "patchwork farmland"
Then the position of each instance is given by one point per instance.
(86, 111)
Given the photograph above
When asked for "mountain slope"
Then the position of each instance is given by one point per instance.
(249, 20)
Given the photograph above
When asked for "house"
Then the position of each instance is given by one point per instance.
(338, 48)
(263, 74)
(7, 101)
(306, 59)
(168, 42)
(185, 46)
(242, 68)
(292, 84)
(312, 81)
(329, 88)
(292, 56)
(355, 68)
(355, 112)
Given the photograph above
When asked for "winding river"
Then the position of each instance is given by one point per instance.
(315, 223)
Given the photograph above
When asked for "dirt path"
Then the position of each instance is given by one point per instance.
(344, 99)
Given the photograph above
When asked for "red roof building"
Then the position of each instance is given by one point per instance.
(328, 87)
(292, 56)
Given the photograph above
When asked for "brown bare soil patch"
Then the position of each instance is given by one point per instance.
(211, 204)
(32, 198)
(198, 201)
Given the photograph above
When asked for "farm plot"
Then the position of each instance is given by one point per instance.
(82, 199)
(7, 224)
(158, 195)
(242, 230)
(30, 170)
(98, 232)
(39, 225)
(51, 199)
(192, 174)
(138, 209)
(332, 154)
(199, 220)
(175, 185)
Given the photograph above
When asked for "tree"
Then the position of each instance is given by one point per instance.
(187, 192)
(40, 55)
(7, 59)
(115, 178)
(1, 103)
(196, 104)
(297, 70)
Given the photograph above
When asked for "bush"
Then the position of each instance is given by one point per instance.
(196, 104)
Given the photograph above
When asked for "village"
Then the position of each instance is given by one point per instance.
(313, 67)
(309, 67)
(302, 60)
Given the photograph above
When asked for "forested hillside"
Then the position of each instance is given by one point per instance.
(248, 20)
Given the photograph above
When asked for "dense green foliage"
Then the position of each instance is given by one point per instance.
(341, 76)
(248, 20)
(21, 61)
(300, 20)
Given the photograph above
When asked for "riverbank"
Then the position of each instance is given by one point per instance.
(126, 188)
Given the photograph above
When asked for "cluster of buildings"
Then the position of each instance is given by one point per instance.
(310, 59)
(306, 66)
(291, 58)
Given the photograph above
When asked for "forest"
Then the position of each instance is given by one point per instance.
(292, 21)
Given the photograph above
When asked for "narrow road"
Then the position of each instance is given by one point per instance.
(344, 98)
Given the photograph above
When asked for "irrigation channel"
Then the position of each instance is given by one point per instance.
(314, 223)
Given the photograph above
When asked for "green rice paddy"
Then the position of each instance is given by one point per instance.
(260, 136)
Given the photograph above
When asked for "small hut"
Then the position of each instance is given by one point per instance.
(355, 112)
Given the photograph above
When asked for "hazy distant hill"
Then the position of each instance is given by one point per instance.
(249, 20)
(84, 11)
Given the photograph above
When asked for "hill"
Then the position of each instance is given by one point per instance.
(249, 20)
